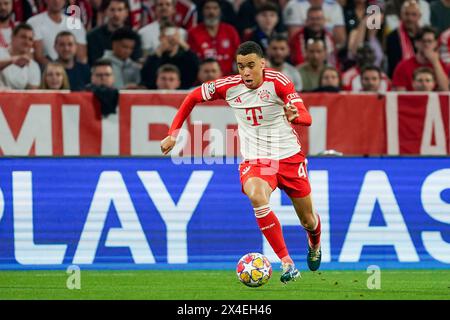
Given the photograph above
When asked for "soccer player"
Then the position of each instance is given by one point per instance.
(265, 104)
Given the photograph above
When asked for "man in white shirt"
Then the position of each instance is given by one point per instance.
(277, 54)
(295, 12)
(17, 68)
(48, 24)
(165, 10)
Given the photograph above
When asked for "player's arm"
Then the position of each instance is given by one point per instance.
(206, 92)
(188, 104)
(294, 109)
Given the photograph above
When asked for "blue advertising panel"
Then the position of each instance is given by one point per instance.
(144, 213)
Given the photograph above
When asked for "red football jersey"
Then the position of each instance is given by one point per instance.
(404, 72)
(222, 47)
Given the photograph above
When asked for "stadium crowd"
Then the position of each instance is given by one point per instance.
(321, 45)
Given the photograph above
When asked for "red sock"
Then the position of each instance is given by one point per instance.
(314, 235)
(270, 226)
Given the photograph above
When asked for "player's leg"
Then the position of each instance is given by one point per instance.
(311, 223)
(293, 178)
(258, 191)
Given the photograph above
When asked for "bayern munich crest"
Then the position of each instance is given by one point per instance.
(211, 88)
(264, 95)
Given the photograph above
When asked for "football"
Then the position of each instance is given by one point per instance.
(254, 269)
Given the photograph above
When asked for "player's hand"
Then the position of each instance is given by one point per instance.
(291, 111)
(167, 144)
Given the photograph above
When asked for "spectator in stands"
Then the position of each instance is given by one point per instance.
(400, 42)
(99, 38)
(229, 14)
(371, 79)
(215, 39)
(208, 70)
(168, 77)
(314, 28)
(329, 80)
(424, 79)
(393, 10)
(354, 13)
(170, 52)
(315, 62)
(102, 85)
(246, 16)
(102, 74)
(164, 10)
(78, 73)
(363, 34)
(427, 56)
(54, 77)
(296, 15)
(18, 70)
(351, 79)
(6, 22)
(266, 21)
(126, 71)
(277, 55)
(185, 14)
(48, 24)
(440, 14)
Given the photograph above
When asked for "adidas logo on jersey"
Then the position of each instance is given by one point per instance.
(238, 100)
(245, 170)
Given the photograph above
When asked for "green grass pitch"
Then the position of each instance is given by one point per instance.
(223, 284)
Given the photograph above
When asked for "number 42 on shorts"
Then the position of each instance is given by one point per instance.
(302, 170)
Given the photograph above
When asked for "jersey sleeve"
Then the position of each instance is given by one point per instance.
(206, 92)
(286, 92)
(213, 90)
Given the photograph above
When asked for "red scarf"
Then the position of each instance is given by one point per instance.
(405, 43)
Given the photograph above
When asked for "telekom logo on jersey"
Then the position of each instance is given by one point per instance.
(256, 114)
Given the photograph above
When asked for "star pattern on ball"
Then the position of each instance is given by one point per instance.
(248, 267)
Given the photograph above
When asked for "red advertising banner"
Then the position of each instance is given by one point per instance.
(418, 124)
(351, 124)
(49, 124)
(56, 123)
